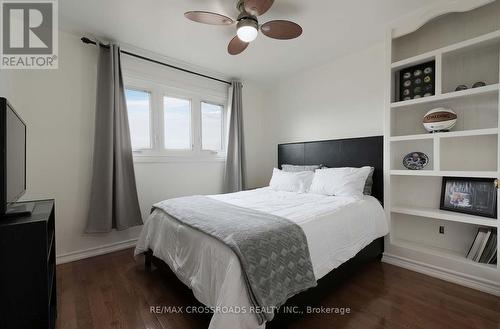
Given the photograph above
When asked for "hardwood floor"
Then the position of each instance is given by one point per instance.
(114, 291)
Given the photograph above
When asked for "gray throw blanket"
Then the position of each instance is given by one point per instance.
(272, 250)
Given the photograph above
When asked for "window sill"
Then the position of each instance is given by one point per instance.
(139, 158)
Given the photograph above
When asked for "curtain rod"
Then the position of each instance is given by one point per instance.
(88, 41)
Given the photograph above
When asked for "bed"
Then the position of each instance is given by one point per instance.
(340, 232)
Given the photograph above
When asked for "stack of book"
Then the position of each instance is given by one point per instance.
(484, 247)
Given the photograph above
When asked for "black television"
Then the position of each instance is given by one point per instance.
(12, 160)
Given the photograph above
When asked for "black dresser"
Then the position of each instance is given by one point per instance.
(27, 269)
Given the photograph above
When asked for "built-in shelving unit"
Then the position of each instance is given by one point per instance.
(470, 149)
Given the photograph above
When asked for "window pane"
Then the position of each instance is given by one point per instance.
(139, 118)
(211, 126)
(177, 116)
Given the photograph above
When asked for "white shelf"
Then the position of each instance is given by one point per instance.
(441, 252)
(415, 60)
(465, 133)
(412, 137)
(451, 134)
(445, 215)
(480, 41)
(478, 174)
(453, 95)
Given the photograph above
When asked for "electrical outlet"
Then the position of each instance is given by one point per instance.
(441, 229)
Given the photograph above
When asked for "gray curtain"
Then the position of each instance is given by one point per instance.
(113, 200)
(234, 178)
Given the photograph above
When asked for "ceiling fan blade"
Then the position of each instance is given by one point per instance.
(282, 30)
(207, 17)
(236, 46)
(258, 7)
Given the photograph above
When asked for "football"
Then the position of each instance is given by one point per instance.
(439, 119)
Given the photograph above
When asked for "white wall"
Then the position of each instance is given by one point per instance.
(58, 106)
(344, 98)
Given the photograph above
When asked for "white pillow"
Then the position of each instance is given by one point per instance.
(294, 168)
(340, 181)
(291, 181)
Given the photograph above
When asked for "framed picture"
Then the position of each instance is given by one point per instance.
(474, 196)
(417, 81)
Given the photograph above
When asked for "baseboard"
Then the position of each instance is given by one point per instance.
(444, 274)
(96, 251)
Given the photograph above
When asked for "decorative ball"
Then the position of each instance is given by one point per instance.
(479, 84)
(439, 119)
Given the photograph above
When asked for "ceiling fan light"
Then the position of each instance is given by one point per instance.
(247, 30)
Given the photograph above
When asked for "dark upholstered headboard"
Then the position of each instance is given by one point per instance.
(351, 152)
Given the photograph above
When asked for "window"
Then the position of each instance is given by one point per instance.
(177, 123)
(139, 118)
(211, 126)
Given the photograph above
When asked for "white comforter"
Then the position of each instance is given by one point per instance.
(336, 229)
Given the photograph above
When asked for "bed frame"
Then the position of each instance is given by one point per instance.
(352, 152)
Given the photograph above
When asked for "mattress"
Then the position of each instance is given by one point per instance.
(336, 228)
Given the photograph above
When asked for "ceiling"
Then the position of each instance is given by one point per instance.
(331, 29)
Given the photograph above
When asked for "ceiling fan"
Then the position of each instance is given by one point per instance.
(247, 24)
